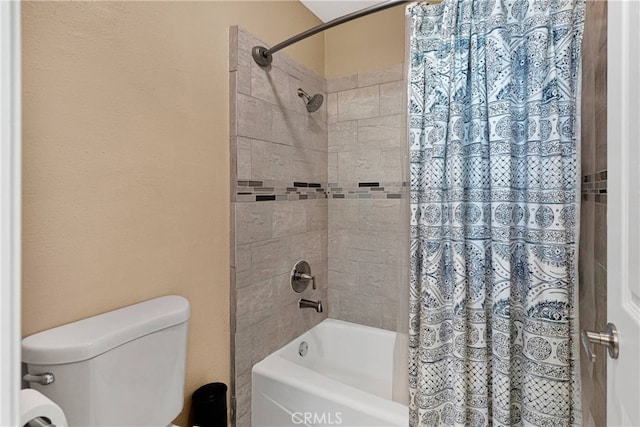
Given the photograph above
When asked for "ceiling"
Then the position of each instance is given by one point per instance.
(327, 10)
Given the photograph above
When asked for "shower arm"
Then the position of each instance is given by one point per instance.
(264, 56)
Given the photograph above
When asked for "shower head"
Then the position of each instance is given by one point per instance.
(313, 102)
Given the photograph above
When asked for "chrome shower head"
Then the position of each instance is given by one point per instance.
(313, 102)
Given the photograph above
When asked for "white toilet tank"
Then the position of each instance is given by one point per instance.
(121, 368)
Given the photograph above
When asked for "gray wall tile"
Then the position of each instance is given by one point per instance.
(343, 136)
(308, 165)
(243, 158)
(354, 245)
(307, 246)
(382, 132)
(243, 278)
(254, 300)
(380, 215)
(392, 98)
(392, 164)
(381, 75)
(332, 167)
(270, 161)
(601, 140)
(300, 130)
(337, 84)
(359, 103)
(233, 48)
(267, 260)
(243, 351)
(271, 85)
(343, 214)
(288, 126)
(245, 421)
(600, 234)
(396, 246)
(253, 222)
(233, 105)
(253, 118)
(332, 108)
(343, 274)
(289, 218)
(243, 394)
(242, 257)
(317, 214)
(377, 277)
(360, 308)
(359, 165)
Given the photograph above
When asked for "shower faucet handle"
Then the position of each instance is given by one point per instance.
(305, 276)
(300, 277)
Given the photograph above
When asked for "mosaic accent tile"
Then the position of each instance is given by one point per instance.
(257, 191)
(594, 187)
(367, 190)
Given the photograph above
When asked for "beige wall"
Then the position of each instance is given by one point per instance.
(371, 42)
(126, 159)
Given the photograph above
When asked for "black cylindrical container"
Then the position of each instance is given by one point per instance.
(209, 405)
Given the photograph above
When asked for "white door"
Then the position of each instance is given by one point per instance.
(623, 210)
(9, 212)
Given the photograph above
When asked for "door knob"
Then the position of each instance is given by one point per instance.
(609, 339)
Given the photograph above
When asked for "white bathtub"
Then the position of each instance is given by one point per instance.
(345, 379)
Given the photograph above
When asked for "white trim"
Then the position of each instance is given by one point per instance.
(623, 200)
(10, 188)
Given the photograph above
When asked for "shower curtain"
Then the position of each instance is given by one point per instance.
(494, 200)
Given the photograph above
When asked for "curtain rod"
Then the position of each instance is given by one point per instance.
(263, 56)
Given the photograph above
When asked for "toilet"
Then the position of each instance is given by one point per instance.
(121, 368)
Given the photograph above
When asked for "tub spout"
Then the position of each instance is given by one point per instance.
(305, 303)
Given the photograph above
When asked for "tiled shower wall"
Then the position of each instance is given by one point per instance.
(593, 230)
(279, 207)
(368, 229)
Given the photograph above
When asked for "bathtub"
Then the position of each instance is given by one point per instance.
(343, 379)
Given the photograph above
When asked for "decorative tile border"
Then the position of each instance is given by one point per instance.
(260, 191)
(368, 190)
(594, 187)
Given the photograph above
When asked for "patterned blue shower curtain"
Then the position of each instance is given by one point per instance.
(494, 212)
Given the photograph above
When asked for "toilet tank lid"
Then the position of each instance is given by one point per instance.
(95, 335)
